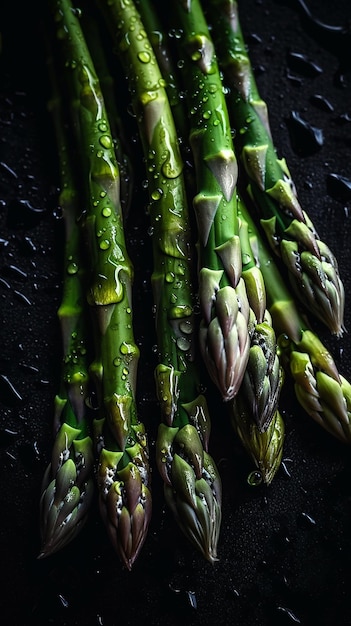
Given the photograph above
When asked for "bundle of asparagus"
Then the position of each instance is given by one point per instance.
(312, 267)
(191, 481)
(250, 329)
(123, 474)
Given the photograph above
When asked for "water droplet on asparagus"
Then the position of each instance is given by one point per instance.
(144, 56)
(72, 268)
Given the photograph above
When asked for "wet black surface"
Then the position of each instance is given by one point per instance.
(285, 551)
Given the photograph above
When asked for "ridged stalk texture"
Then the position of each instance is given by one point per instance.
(224, 337)
(68, 484)
(123, 474)
(192, 484)
(312, 267)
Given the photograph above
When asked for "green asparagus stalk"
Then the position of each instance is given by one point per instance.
(123, 474)
(67, 487)
(312, 267)
(320, 389)
(262, 381)
(224, 337)
(254, 411)
(165, 60)
(192, 484)
(121, 144)
(264, 447)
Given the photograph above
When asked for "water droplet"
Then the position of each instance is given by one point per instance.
(180, 311)
(7, 436)
(8, 169)
(117, 361)
(186, 327)
(72, 268)
(63, 600)
(303, 65)
(169, 277)
(127, 348)
(144, 56)
(285, 469)
(21, 213)
(305, 138)
(106, 211)
(339, 187)
(9, 393)
(21, 296)
(254, 479)
(183, 344)
(308, 519)
(156, 194)
(106, 141)
(322, 103)
(104, 244)
(289, 613)
(102, 126)
(206, 115)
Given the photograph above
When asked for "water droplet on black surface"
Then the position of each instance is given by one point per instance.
(305, 138)
(8, 393)
(3, 242)
(185, 599)
(15, 271)
(8, 170)
(254, 38)
(296, 80)
(289, 613)
(342, 119)
(27, 246)
(307, 519)
(22, 214)
(7, 437)
(285, 469)
(335, 39)
(29, 368)
(63, 601)
(339, 187)
(322, 103)
(22, 297)
(303, 65)
(4, 283)
(29, 453)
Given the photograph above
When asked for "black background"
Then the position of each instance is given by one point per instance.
(284, 551)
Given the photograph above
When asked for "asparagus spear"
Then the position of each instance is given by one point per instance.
(67, 487)
(254, 411)
(166, 62)
(192, 484)
(224, 337)
(123, 469)
(94, 40)
(320, 389)
(312, 267)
